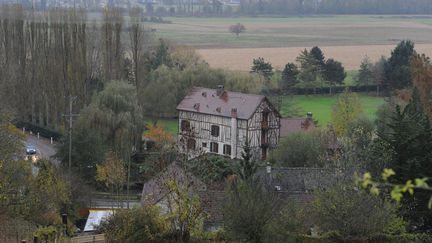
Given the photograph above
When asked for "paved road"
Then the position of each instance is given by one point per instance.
(45, 149)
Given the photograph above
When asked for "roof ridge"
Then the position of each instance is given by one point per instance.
(229, 91)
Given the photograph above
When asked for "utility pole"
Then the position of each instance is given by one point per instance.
(70, 117)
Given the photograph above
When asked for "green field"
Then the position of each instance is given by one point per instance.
(295, 31)
(321, 106)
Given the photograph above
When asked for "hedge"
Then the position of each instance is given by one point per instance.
(43, 131)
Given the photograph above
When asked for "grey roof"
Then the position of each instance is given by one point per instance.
(300, 179)
(155, 189)
(204, 100)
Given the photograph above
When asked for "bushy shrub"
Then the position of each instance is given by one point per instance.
(248, 210)
(353, 212)
(135, 225)
(289, 223)
(304, 149)
(211, 169)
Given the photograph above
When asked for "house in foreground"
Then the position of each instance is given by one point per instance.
(292, 185)
(221, 122)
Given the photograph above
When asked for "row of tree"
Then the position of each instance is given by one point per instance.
(403, 68)
(248, 7)
(46, 58)
(393, 72)
(286, 7)
(312, 70)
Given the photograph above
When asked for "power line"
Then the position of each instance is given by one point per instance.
(70, 117)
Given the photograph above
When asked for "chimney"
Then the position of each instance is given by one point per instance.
(196, 106)
(234, 112)
(220, 90)
(234, 133)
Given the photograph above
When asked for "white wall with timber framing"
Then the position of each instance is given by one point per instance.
(261, 130)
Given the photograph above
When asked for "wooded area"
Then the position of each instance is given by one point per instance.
(288, 7)
(48, 57)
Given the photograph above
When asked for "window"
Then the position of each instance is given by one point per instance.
(185, 125)
(215, 131)
(214, 147)
(204, 145)
(191, 143)
(227, 149)
(265, 120)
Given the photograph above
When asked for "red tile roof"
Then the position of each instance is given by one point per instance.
(293, 125)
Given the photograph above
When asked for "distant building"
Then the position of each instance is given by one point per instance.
(220, 122)
(294, 125)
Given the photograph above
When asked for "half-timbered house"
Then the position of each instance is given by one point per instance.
(221, 122)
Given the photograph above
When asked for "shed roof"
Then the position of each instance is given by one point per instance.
(95, 218)
(155, 189)
(293, 125)
(204, 100)
(299, 179)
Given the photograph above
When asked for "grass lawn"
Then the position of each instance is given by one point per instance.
(170, 125)
(321, 106)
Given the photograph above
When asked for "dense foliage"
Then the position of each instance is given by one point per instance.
(303, 149)
(312, 71)
(135, 225)
(212, 170)
(248, 201)
(355, 213)
(397, 69)
(405, 144)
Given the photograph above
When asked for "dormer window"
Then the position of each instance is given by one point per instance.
(215, 131)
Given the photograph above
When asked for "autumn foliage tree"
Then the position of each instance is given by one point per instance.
(421, 74)
(159, 135)
(346, 110)
(112, 173)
